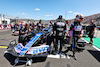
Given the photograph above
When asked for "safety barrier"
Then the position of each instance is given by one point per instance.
(6, 27)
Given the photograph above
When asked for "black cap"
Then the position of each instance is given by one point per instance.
(60, 17)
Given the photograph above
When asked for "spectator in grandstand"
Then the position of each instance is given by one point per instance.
(92, 31)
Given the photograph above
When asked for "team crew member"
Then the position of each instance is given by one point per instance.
(31, 26)
(59, 29)
(92, 31)
(20, 25)
(12, 26)
(39, 25)
(51, 25)
(76, 27)
(15, 26)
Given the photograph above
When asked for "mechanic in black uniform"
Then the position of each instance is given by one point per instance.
(39, 26)
(76, 32)
(92, 31)
(59, 29)
(76, 27)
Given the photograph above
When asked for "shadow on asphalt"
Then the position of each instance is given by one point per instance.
(95, 54)
(68, 65)
(12, 58)
(48, 64)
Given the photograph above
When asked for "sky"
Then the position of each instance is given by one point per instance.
(49, 9)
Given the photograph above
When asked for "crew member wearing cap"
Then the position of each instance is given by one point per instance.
(59, 29)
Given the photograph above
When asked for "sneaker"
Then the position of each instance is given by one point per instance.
(91, 44)
(68, 56)
(54, 52)
(62, 55)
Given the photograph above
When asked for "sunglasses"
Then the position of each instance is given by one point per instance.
(81, 18)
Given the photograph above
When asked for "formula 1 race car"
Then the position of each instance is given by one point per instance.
(24, 38)
(31, 48)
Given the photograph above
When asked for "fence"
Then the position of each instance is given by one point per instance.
(2, 27)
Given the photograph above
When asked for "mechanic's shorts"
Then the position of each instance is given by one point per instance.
(90, 35)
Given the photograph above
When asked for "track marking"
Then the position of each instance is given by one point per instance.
(3, 46)
(57, 56)
(96, 48)
(92, 46)
(54, 56)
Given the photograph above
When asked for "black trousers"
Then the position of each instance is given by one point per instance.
(56, 44)
(90, 35)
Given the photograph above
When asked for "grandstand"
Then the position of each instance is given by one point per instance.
(87, 19)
